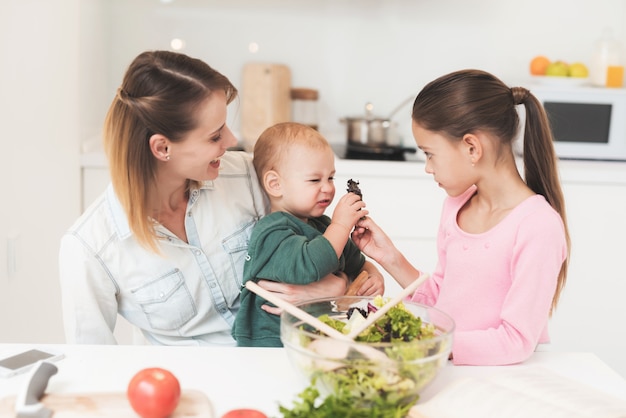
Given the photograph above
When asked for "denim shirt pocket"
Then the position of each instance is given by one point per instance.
(166, 301)
(236, 246)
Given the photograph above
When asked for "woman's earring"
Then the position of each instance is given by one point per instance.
(167, 158)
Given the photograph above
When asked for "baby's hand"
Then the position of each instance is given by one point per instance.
(349, 209)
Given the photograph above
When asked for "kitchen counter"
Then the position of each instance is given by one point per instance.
(571, 171)
(574, 171)
(259, 378)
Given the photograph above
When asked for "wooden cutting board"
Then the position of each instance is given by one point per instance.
(110, 405)
(265, 99)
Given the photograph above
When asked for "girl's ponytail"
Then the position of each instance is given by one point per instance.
(540, 165)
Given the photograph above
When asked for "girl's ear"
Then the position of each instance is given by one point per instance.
(160, 147)
(271, 183)
(473, 147)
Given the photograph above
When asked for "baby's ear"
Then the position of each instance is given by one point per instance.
(271, 183)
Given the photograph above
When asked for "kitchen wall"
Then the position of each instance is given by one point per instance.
(355, 51)
(63, 59)
(39, 171)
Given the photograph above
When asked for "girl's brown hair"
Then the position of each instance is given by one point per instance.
(471, 100)
(159, 94)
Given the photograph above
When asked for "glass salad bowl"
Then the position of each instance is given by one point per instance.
(387, 364)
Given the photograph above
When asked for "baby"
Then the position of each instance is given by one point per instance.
(296, 243)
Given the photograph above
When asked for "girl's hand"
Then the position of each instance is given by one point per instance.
(373, 241)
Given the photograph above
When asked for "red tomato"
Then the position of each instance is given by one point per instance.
(154, 393)
(244, 413)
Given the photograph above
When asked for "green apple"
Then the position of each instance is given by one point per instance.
(558, 69)
(578, 69)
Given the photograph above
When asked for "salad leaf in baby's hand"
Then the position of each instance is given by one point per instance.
(353, 187)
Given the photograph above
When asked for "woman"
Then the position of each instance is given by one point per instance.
(164, 246)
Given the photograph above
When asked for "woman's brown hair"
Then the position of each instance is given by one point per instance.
(472, 100)
(159, 95)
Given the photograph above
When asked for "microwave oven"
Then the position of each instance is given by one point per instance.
(588, 123)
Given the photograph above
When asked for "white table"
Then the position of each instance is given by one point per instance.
(259, 378)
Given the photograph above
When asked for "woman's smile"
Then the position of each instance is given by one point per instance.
(215, 163)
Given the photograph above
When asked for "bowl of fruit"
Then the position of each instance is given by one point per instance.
(385, 367)
(558, 72)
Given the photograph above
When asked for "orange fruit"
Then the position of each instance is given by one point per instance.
(538, 65)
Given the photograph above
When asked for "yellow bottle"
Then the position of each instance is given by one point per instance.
(607, 66)
(615, 76)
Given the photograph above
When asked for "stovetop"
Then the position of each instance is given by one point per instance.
(356, 152)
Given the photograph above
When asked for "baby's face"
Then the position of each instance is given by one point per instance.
(307, 181)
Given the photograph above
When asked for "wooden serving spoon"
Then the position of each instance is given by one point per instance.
(329, 347)
(356, 283)
(295, 311)
(336, 347)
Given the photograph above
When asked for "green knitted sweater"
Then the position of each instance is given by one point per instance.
(285, 249)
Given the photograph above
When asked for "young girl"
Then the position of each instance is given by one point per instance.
(503, 242)
(296, 243)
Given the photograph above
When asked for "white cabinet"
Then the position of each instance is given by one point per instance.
(95, 177)
(95, 181)
(406, 203)
(591, 312)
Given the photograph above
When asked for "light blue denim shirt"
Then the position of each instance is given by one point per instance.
(188, 294)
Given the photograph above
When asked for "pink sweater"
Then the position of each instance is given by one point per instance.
(498, 285)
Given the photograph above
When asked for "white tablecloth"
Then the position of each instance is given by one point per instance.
(259, 378)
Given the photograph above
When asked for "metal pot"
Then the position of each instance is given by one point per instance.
(373, 131)
(370, 130)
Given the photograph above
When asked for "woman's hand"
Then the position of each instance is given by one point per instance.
(329, 286)
(375, 283)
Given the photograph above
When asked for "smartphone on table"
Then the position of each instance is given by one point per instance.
(21, 362)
